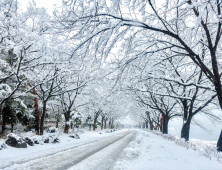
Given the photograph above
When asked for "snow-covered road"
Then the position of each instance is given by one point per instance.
(120, 150)
(106, 158)
(110, 147)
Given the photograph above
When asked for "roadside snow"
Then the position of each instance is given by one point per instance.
(152, 152)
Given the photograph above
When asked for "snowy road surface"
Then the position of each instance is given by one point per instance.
(68, 158)
(120, 150)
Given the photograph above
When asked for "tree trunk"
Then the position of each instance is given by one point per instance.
(185, 109)
(66, 129)
(186, 129)
(105, 124)
(36, 114)
(218, 88)
(0, 113)
(219, 95)
(165, 125)
(57, 124)
(42, 118)
(36, 109)
(67, 117)
(94, 124)
(102, 123)
(1, 118)
(161, 127)
(219, 143)
(12, 125)
(112, 124)
(90, 127)
(109, 124)
(151, 126)
(146, 124)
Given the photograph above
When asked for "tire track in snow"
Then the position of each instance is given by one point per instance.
(105, 159)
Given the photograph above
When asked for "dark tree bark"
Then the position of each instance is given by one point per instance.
(42, 118)
(219, 143)
(151, 125)
(165, 125)
(66, 129)
(146, 122)
(105, 123)
(3, 126)
(112, 126)
(36, 109)
(103, 118)
(94, 124)
(36, 115)
(219, 95)
(12, 125)
(96, 115)
(67, 126)
(186, 129)
(109, 124)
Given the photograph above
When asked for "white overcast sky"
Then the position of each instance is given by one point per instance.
(48, 4)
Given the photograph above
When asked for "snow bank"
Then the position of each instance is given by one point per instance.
(152, 152)
(206, 149)
(132, 152)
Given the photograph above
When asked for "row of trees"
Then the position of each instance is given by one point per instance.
(40, 76)
(176, 42)
(101, 56)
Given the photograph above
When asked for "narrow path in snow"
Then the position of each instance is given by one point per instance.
(70, 157)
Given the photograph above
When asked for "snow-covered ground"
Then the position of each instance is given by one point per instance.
(120, 150)
(152, 152)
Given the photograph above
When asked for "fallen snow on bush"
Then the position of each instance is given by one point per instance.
(2, 144)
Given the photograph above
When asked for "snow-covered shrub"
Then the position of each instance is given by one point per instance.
(45, 139)
(50, 139)
(219, 157)
(193, 146)
(109, 131)
(182, 142)
(15, 141)
(37, 139)
(2, 145)
(169, 137)
(52, 130)
(53, 139)
(74, 135)
(208, 151)
(29, 141)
